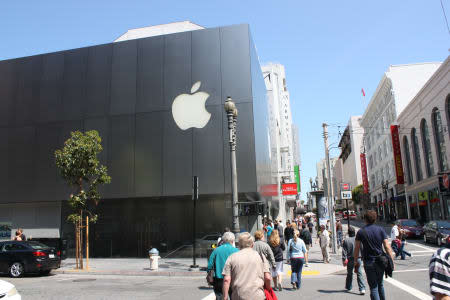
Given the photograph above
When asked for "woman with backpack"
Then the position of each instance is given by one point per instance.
(277, 247)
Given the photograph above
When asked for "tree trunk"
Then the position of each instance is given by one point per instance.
(87, 242)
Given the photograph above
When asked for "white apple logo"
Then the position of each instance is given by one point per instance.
(189, 110)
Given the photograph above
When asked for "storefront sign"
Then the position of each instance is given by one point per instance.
(269, 190)
(5, 230)
(289, 188)
(365, 178)
(423, 196)
(397, 154)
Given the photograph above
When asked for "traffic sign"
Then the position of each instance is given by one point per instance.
(346, 194)
(345, 187)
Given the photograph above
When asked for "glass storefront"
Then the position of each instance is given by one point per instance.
(435, 204)
(413, 208)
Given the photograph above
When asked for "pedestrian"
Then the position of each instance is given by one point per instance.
(269, 228)
(439, 272)
(305, 235)
(394, 232)
(288, 232)
(280, 229)
(324, 241)
(401, 250)
(373, 239)
(22, 236)
(339, 233)
(310, 225)
(348, 261)
(297, 253)
(277, 247)
(246, 272)
(217, 261)
(263, 248)
(17, 236)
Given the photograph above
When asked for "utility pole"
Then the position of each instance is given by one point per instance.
(329, 189)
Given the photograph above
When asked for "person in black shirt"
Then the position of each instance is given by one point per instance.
(374, 239)
(306, 237)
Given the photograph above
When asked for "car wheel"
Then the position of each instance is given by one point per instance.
(45, 273)
(16, 270)
(439, 241)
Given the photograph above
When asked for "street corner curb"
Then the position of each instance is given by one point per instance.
(133, 273)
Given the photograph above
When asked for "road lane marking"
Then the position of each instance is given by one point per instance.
(415, 270)
(419, 255)
(422, 251)
(423, 247)
(211, 296)
(408, 289)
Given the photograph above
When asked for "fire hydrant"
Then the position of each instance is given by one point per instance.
(154, 256)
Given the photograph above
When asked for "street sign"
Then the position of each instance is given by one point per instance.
(346, 194)
(345, 187)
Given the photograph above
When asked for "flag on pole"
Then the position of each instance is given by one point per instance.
(363, 93)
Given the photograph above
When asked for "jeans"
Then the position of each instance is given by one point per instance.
(359, 276)
(374, 274)
(296, 267)
(218, 285)
(402, 251)
(339, 238)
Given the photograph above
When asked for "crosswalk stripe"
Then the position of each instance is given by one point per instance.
(415, 292)
(211, 296)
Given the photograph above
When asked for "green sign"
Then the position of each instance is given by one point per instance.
(297, 177)
(423, 196)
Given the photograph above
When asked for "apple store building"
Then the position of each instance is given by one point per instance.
(158, 105)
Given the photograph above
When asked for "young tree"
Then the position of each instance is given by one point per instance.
(79, 166)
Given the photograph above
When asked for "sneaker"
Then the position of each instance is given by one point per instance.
(362, 292)
(411, 255)
(306, 265)
(293, 285)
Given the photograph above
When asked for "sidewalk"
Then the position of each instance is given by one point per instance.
(180, 266)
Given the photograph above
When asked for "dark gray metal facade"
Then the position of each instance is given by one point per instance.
(125, 91)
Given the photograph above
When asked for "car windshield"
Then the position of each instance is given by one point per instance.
(38, 246)
(443, 224)
(411, 223)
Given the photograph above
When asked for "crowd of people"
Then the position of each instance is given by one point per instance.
(248, 273)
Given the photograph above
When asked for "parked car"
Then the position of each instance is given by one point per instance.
(20, 257)
(350, 213)
(436, 231)
(411, 228)
(8, 291)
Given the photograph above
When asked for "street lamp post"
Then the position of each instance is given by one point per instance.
(232, 113)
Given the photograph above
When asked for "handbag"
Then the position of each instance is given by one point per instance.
(210, 277)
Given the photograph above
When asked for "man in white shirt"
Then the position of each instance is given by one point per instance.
(394, 232)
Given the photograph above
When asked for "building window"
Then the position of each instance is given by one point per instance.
(447, 106)
(407, 160)
(426, 148)
(439, 138)
(416, 152)
(370, 162)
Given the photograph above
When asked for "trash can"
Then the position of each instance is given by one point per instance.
(153, 255)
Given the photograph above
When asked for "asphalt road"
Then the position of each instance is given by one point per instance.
(410, 281)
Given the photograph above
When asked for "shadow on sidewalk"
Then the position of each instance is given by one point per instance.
(332, 291)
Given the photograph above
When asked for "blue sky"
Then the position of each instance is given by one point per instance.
(331, 49)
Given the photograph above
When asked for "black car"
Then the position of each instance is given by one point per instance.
(436, 231)
(20, 257)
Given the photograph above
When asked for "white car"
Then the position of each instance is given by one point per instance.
(8, 291)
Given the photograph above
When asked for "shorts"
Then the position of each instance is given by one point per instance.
(278, 270)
